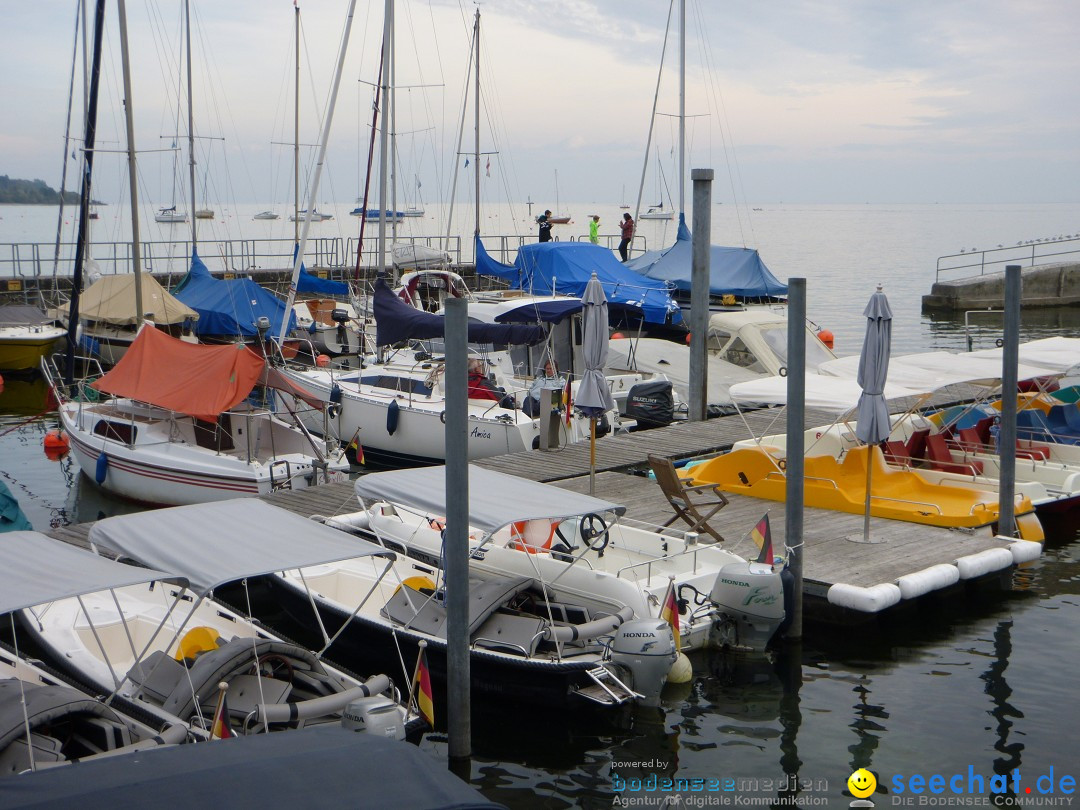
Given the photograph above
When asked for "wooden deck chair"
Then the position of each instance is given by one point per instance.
(688, 501)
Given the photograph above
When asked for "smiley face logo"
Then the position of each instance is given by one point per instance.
(862, 783)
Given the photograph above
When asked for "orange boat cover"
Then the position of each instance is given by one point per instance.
(191, 378)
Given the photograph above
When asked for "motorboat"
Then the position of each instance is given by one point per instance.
(204, 213)
(755, 339)
(580, 548)
(162, 643)
(364, 606)
(267, 215)
(26, 335)
(172, 423)
(374, 214)
(44, 720)
(170, 215)
(316, 216)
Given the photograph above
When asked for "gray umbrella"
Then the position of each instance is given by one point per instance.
(593, 397)
(872, 414)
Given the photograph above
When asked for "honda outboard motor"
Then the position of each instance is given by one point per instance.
(652, 404)
(750, 596)
(646, 649)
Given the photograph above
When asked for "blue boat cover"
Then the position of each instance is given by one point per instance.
(229, 306)
(565, 267)
(396, 321)
(12, 518)
(738, 271)
(317, 767)
(307, 283)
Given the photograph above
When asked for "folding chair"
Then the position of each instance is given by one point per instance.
(688, 501)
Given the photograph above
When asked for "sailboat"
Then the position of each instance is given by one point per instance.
(658, 211)
(558, 218)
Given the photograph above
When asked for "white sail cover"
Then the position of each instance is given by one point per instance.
(495, 499)
(827, 393)
(35, 569)
(214, 543)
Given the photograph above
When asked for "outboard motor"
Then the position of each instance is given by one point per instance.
(339, 316)
(646, 649)
(375, 715)
(652, 404)
(750, 596)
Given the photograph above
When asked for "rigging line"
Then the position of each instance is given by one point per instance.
(67, 142)
(652, 118)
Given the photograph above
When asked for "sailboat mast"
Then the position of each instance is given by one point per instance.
(682, 108)
(190, 124)
(476, 128)
(388, 10)
(129, 121)
(296, 133)
(391, 102)
(89, 139)
(313, 193)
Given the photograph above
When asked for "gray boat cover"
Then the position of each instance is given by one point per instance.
(44, 704)
(22, 315)
(214, 543)
(319, 767)
(35, 569)
(495, 499)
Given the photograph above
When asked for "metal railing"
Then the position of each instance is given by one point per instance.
(980, 262)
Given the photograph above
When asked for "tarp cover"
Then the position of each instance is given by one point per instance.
(223, 541)
(192, 378)
(309, 283)
(318, 767)
(230, 306)
(827, 393)
(495, 499)
(396, 321)
(1057, 353)
(929, 371)
(566, 267)
(111, 299)
(35, 569)
(22, 315)
(738, 271)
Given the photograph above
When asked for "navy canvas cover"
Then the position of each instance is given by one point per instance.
(738, 271)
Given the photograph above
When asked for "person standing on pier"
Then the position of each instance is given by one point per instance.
(545, 226)
(594, 229)
(627, 226)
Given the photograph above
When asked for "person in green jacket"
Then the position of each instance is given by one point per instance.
(594, 229)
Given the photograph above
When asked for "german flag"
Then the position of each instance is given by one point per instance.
(220, 729)
(569, 403)
(356, 447)
(762, 536)
(669, 612)
(423, 694)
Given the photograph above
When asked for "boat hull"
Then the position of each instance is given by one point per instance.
(22, 349)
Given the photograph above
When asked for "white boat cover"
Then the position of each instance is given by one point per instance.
(495, 499)
(827, 393)
(35, 569)
(214, 543)
(929, 371)
(1057, 353)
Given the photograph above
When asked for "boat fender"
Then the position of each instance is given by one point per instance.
(102, 468)
(392, 417)
(1025, 551)
(929, 579)
(335, 394)
(984, 562)
(865, 600)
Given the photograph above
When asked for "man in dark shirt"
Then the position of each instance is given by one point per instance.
(545, 226)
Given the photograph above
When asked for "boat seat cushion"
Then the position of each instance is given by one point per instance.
(417, 611)
(157, 677)
(511, 634)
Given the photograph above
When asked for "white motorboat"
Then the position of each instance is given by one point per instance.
(160, 642)
(755, 339)
(44, 720)
(579, 548)
(179, 428)
(267, 215)
(316, 216)
(361, 605)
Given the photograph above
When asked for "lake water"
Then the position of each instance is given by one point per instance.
(977, 685)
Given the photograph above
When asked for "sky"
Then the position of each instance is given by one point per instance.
(796, 101)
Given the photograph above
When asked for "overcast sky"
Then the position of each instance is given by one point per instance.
(788, 100)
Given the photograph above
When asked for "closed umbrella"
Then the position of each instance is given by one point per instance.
(872, 413)
(593, 397)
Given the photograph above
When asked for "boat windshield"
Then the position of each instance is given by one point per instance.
(816, 352)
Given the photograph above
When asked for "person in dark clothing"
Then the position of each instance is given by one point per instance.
(627, 226)
(545, 226)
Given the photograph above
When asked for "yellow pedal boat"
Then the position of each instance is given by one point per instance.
(841, 486)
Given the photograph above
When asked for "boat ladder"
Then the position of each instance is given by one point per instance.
(606, 688)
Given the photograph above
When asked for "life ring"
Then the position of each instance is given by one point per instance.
(532, 536)
(417, 583)
(782, 463)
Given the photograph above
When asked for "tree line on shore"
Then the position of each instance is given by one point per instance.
(31, 192)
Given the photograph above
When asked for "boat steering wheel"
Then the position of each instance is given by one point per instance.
(275, 666)
(594, 532)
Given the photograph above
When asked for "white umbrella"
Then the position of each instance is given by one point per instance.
(593, 397)
(872, 414)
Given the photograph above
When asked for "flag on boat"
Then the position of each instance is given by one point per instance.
(763, 540)
(220, 728)
(669, 612)
(569, 404)
(356, 447)
(466, 163)
(423, 695)
(488, 167)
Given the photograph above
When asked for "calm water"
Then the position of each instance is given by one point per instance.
(980, 681)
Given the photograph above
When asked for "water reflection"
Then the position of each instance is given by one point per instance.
(999, 691)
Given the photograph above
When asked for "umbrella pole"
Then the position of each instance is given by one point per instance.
(592, 454)
(869, 472)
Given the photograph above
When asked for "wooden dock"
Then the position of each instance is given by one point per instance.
(840, 570)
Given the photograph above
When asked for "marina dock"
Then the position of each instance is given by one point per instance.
(842, 573)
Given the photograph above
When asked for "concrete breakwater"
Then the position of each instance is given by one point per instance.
(1051, 285)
